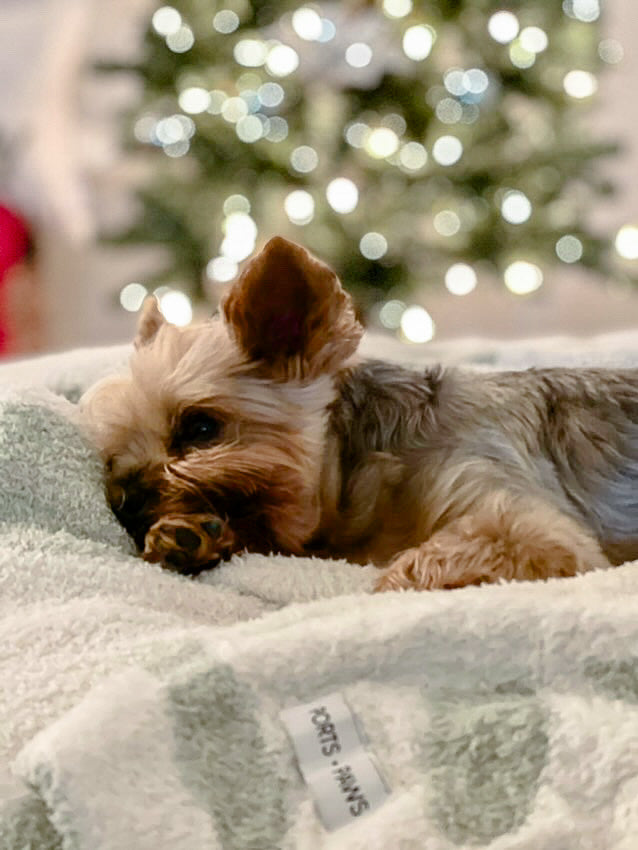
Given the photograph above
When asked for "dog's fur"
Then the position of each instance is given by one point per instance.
(262, 431)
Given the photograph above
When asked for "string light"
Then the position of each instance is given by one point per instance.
(222, 269)
(226, 21)
(390, 314)
(460, 279)
(418, 42)
(373, 246)
(397, 8)
(569, 249)
(523, 277)
(166, 21)
(342, 195)
(503, 26)
(580, 84)
(307, 24)
(417, 324)
(626, 242)
(516, 207)
(300, 207)
(358, 55)
(132, 296)
(176, 307)
(381, 142)
(180, 41)
(447, 150)
(282, 60)
(401, 164)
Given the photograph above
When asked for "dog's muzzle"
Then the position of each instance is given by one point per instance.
(189, 543)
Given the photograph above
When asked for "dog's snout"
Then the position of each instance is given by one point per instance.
(133, 500)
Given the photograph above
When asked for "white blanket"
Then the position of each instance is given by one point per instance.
(140, 709)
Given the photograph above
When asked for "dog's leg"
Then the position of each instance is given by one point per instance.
(507, 538)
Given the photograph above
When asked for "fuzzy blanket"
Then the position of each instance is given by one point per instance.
(275, 704)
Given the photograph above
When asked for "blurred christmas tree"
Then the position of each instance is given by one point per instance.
(408, 144)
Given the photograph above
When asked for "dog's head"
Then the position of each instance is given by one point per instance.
(213, 440)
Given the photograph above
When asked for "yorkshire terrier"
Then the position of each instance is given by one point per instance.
(262, 431)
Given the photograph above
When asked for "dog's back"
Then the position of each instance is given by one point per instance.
(442, 438)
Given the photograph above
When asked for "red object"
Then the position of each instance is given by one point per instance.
(14, 248)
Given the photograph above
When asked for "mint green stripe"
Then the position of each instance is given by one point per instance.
(224, 760)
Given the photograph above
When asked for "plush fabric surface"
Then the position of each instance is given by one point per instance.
(140, 709)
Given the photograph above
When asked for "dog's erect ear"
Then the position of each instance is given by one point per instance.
(289, 310)
(149, 322)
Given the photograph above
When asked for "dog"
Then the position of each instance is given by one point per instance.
(262, 430)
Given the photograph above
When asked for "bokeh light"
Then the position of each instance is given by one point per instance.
(418, 42)
(250, 52)
(166, 21)
(516, 207)
(304, 159)
(282, 60)
(390, 314)
(270, 94)
(236, 203)
(226, 21)
(342, 195)
(240, 235)
(569, 249)
(626, 242)
(417, 324)
(503, 26)
(447, 150)
(300, 207)
(358, 55)
(307, 24)
(580, 84)
(132, 296)
(176, 307)
(587, 11)
(180, 41)
(381, 142)
(533, 39)
(460, 279)
(522, 277)
(373, 245)
(194, 100)
(222, 269)
(611, 51)
(447, 223)
(397, 8)
(413, 156)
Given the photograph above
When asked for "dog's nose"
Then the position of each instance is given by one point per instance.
(188, 543)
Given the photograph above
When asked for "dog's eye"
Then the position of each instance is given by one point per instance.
(197, 429)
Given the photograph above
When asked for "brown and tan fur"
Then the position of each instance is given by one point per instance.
(262, 431)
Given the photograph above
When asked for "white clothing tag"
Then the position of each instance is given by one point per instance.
(333, 761)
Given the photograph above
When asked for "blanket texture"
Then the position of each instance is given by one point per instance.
(140, 709)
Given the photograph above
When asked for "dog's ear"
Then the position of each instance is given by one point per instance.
(149, 322)
(288, 310)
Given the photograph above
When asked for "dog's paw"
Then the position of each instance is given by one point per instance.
(188, 543)
(420, 568)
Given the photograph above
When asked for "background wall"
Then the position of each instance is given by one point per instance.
(66, 174)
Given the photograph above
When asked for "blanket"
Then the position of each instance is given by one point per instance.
(275, 702)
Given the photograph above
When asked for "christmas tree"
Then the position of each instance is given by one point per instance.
(408, 144)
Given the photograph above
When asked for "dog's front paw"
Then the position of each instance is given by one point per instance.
(189, 543)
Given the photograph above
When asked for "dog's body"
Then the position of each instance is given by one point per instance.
(262, 432)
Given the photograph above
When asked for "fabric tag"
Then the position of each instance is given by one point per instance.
(337, 768)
